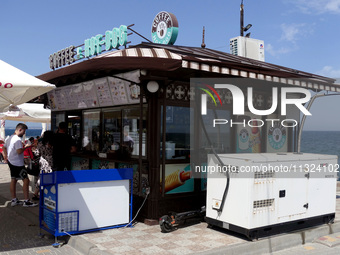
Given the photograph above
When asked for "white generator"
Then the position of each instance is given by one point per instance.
(269, 193)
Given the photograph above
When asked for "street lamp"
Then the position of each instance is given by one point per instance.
(245, 29)
(242, 28)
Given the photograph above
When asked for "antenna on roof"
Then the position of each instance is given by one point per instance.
(203, 44)
(241, 19)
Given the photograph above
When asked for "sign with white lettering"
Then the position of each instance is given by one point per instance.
(164, 28)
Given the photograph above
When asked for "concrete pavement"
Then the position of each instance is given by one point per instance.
(20, 235)
(19, 226)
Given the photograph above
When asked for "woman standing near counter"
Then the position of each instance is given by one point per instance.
(45, 149)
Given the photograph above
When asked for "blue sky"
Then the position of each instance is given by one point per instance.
(299, 34)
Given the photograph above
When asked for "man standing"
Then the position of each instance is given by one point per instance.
(63, 146)
(14, 156)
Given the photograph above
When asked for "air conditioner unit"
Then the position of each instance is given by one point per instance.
(247, 47)
(271, 193)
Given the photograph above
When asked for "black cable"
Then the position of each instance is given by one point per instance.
(219, 160)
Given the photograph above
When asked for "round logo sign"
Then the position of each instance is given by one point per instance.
(277, 136)
(164, 28)
(243, 139)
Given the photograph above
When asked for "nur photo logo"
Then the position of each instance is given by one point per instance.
(239, 101)
(204, 98)
(281, 99)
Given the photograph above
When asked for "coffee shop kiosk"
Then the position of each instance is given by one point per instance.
(132, 107)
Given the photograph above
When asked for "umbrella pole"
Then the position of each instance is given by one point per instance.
(2, 130)
(24, 137)
(43, 125)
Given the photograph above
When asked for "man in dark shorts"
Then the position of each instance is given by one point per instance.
(14, 156)
(63, 146)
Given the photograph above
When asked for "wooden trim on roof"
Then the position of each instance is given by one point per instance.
(170, 58)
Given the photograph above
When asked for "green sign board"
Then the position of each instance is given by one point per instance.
(112, 39)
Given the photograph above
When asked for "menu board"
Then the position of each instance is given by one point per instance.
(103, 92)
(119, 90)
(60, 97)
(90, 94)
(68, 97)
(77, 95)
(70, 102)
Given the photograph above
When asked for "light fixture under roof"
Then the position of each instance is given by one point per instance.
(152, 86)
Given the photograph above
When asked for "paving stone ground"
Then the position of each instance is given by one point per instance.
(19, 226)
(19, 234)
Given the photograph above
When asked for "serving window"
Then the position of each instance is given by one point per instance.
(114, 131)
(132, 127)
(177, 132)
(91, 130)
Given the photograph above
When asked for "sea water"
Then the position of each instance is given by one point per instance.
(320, 142)
(31, 132)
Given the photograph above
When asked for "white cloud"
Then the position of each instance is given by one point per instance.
(329, 71)
(293, 32)
(333, 6)
(276, 52)
(289, 32)
(317, 6)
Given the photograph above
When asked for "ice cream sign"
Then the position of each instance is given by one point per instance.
(164, 28)
(112, 39)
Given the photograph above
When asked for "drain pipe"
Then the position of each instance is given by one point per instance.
(305, 116)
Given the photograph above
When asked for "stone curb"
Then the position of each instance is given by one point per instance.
(85, 247)
(276, 243)
(264, 246)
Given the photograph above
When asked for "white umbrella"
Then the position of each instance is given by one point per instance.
(25, 113)
(18, 87)
(2, 130)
